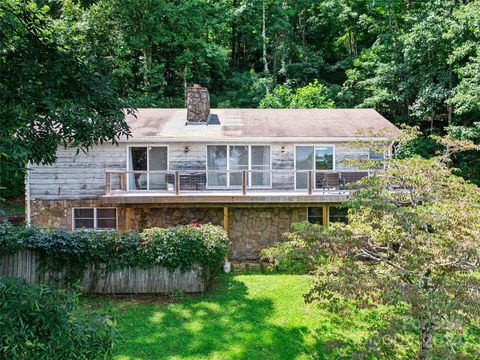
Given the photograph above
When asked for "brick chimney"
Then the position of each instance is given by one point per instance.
(198, 104)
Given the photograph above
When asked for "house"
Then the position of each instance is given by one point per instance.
(253, 171)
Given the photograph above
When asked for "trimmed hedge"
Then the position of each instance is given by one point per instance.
(39, 322)
(183, 247)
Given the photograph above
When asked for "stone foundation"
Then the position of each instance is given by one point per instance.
(142, 218)
(250, 228)
(253, 229)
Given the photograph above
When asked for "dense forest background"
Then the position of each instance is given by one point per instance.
(415, 61)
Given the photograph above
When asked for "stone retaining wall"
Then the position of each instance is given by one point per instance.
(250, 228)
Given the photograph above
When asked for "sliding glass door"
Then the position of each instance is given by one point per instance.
(217, 165)
(238, 161)
(260, 166)
(149, 164)
(226, 163)
(315, 158)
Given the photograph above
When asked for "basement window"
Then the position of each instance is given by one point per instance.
(315, 215)
(337, 214)
(94, 219)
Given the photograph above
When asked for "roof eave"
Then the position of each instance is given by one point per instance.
(161, 139)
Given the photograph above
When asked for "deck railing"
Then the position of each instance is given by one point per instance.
(239, 181)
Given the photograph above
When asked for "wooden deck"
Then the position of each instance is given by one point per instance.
(226, 197)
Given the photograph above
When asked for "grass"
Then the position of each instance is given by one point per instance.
(243, 317)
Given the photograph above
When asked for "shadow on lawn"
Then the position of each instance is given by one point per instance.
(222, 325)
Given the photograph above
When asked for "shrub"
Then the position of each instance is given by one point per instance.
(296, 255)
(287, 256)
(181, 247)
(37, 322)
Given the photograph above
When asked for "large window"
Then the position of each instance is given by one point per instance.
(149, 165)
(94, 218)
(316, 158)
(226, 163)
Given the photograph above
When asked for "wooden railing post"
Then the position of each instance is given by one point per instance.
(310, 182)
(123, 181)
(244, 182)
(108, 185)
(177, 183)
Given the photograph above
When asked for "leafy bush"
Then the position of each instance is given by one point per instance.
(287, 256)
(181, 247)
(296, 255)
(37, 322)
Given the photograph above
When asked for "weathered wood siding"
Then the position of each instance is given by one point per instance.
(194, 159)
(283, 166)
(76, 176)
(347, 152)
(82, 176)
(26, 264)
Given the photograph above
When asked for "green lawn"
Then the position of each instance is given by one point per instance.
(242, 317)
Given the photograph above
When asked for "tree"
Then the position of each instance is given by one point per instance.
(50, 94)
(412, 243)
(312, 96)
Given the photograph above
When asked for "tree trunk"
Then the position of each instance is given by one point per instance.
(449, 106)
(234, 44)
(264, 39)
(426, 335)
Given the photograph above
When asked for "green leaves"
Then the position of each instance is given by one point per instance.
(38, 322)
(179, 247)
(51, 96)
(413, 239)
(312, 96)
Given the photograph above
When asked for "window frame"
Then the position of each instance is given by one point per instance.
(321, 217)
(95, 219)
(147, 146)
(227, 170)
(334, 155)
(328, 215)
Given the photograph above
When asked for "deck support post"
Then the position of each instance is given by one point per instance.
(177, 183)
(128, 218)
(325, 215)
(225, 219)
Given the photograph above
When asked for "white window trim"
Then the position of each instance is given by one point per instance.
(313, 162)
(95, 219)
(227, 186)
(148, 146)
